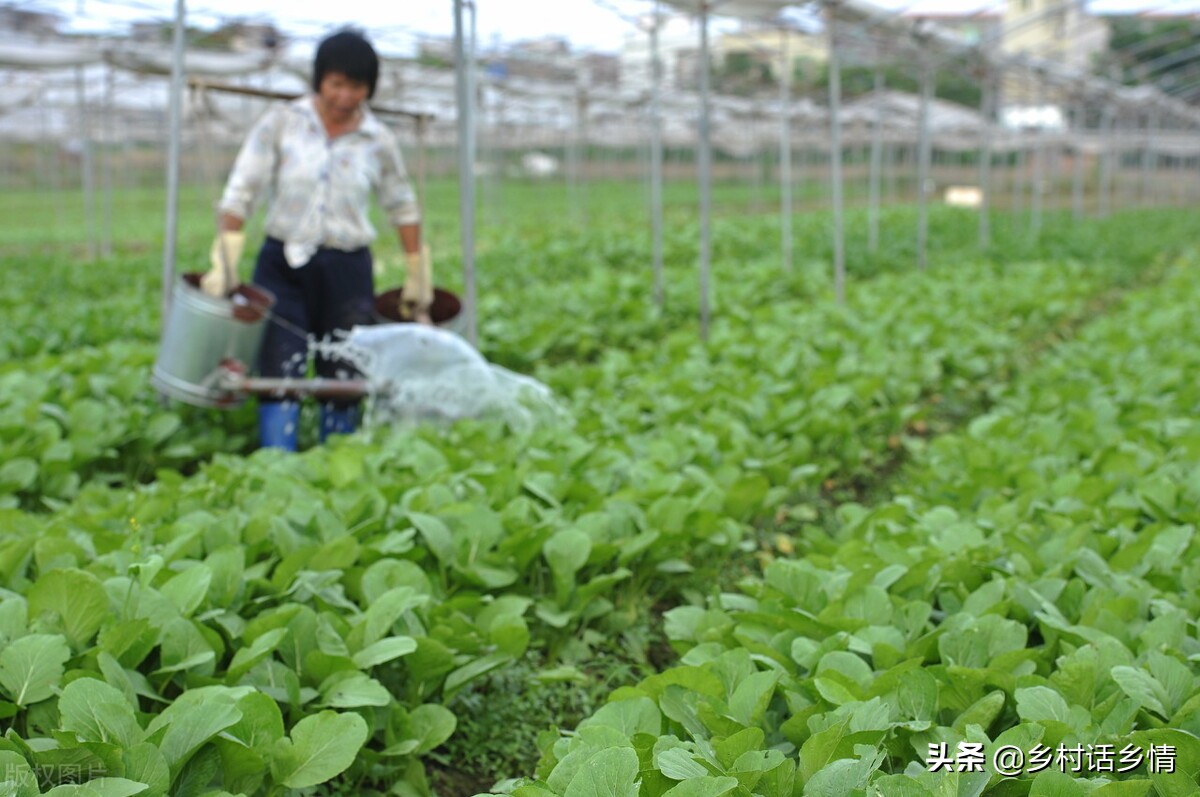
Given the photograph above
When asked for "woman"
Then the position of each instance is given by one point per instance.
(321, 156)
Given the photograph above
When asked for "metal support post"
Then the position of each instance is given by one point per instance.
(656, 158)
(705, 175)
(924, 156)
(464, 82)
(174, 146)
(785, 150)
(876, 165)
(835, 160)
(989, 103)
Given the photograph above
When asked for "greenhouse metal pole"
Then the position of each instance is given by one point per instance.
(656, 159)
(990, 86)
(1143, 188)
(1020, 164)
(88, 170)
(705, 175)
(106, 242)
(785, 150)
(835, 160)
(876, 165)
(924, 156)
(1078, 174)
(174, 145)
(1149, 158)
(1037, 184)
(582, 109)
(1104, 200)
(464, 83)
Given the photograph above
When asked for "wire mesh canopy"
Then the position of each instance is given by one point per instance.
(745, 9)
(145, 59)
(47, 55)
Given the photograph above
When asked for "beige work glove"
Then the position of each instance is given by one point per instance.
(222, 277)
(416, 297)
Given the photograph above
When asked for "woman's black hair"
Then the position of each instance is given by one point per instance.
(349, 53)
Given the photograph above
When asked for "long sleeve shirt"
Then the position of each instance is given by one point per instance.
(320, 187)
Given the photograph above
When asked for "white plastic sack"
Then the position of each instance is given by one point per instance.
(422, 373)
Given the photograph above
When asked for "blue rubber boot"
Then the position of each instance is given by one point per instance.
(278, 422)
(335, 420)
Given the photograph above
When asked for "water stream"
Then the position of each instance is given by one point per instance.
(421, 374)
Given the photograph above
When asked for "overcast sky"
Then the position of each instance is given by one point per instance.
(592, 24)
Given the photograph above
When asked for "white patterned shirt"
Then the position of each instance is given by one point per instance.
(320, 187)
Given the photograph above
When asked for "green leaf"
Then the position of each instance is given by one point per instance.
(1124, 788)
(1041, 703)
(245, 658)
(917, 696)
(32, 666)
(1174, 677)
(900, 786)
(185, 648)
(191, 721)
(144, 763)
(1142, 687)
(678, 763)
(436, 535)
(345, 467)
(630, 717)
(472, 670)
(197, 775)
(983, 712)
(321, 746)
(745, 496)
(129, 641)
(188, 589)
(707, 786)
(76, 596)
(833, 744)
(609, 773)
(431, 725)
(18, 474)
(384, 650)
(567, 551)
(161, 426)
(751, 697)
(353, 690)
(98, 712)
(1055, 784)
(841, 777)
(100, 787)
(261, 724)
(383, 613)
(17, 778)
(59, 764)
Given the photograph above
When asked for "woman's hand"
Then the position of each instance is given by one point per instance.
(416, 297)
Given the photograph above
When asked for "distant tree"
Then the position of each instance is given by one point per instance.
(741, 73)
(955, 81)
(1164, 52)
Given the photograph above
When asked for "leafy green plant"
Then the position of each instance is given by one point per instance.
(1033, 586)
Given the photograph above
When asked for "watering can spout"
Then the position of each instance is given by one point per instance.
(233, 380)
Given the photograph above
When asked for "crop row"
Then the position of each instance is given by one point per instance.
(53, 440)
(599, 278)
(361, 586)
(82, 409)
(1033, 587)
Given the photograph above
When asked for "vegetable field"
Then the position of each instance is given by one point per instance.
(878, 548)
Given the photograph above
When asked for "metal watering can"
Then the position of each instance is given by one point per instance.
(209, 345)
